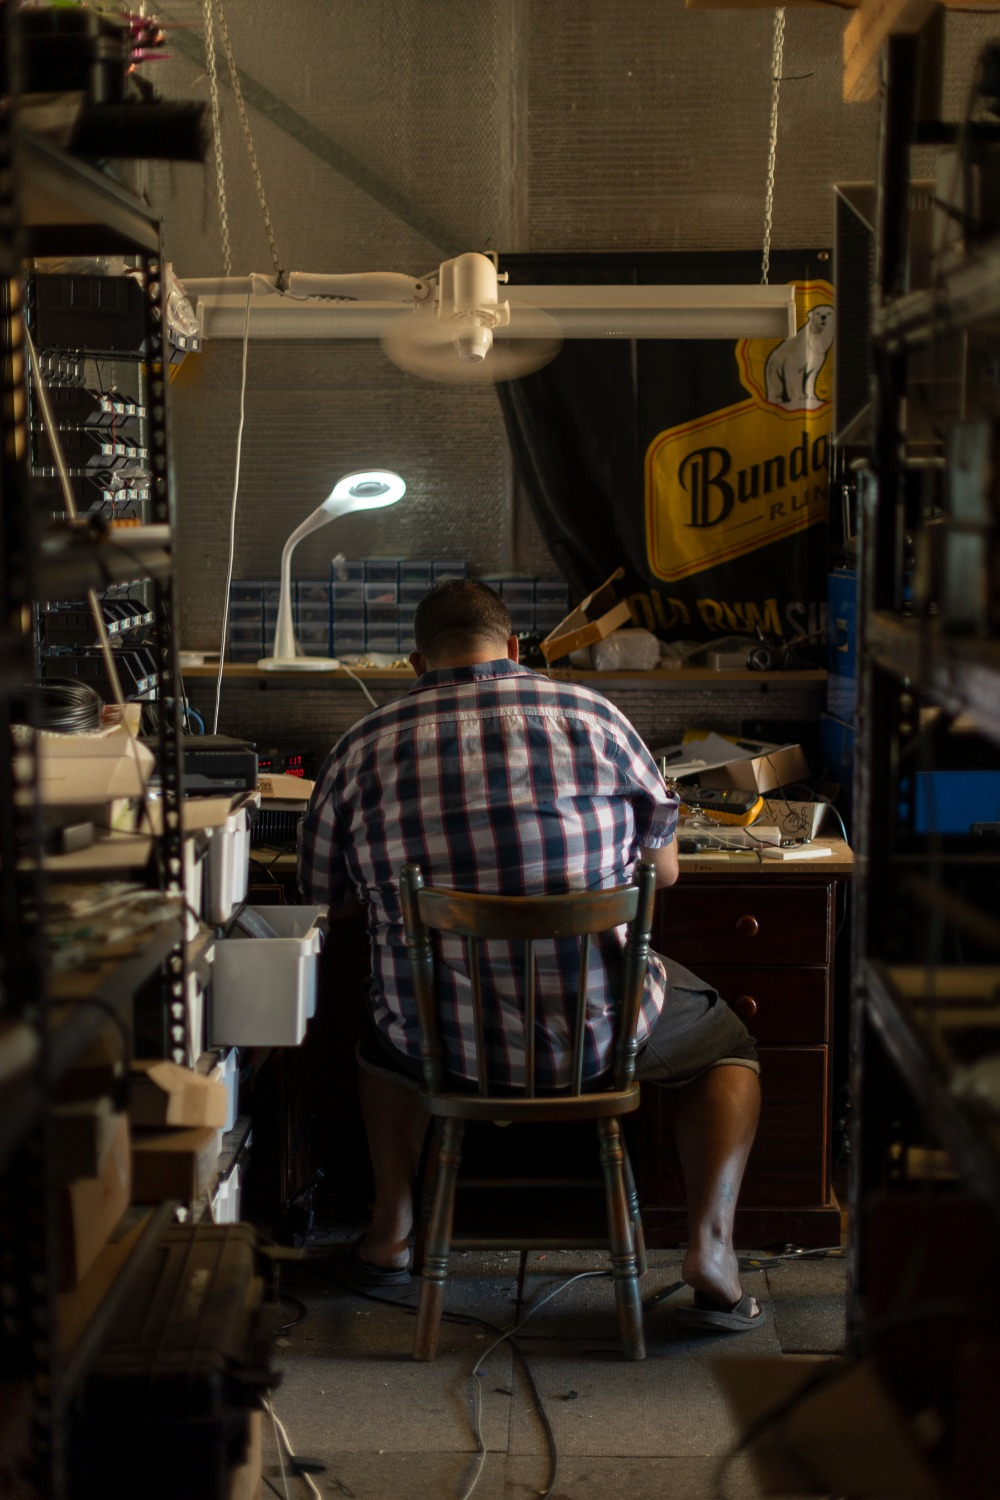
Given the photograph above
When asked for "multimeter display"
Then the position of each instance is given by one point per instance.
(737, 808)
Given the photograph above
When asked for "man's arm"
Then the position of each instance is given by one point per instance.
(665, 861)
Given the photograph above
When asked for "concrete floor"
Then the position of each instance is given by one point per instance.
(389, 1429)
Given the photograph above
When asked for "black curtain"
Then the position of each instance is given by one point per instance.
(580, 428)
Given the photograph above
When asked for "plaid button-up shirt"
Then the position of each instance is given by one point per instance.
(492, 779)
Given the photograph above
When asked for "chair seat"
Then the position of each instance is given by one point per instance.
(551, 1107)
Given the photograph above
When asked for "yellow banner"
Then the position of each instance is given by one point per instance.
(747, 475)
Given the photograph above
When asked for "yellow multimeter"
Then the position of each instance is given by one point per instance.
(733, 807)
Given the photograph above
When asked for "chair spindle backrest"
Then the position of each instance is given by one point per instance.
(528, 919)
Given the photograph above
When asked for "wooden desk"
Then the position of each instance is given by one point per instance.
(762, 932)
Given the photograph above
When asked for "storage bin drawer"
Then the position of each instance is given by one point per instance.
(780, 1007)
(264, 989)
(750, 922)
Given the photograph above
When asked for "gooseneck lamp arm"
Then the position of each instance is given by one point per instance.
(367, 490)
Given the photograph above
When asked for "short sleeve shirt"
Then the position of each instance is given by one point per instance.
(493, 779)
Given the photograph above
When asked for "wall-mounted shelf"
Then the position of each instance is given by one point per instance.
(683, 678)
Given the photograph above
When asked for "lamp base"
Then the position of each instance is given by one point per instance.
(298, 664)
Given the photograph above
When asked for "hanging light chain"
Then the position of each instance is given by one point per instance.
(254, 168)
(777, 63)
(220, 174)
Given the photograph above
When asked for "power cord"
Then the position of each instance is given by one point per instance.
(232, 516)
(469, 1321)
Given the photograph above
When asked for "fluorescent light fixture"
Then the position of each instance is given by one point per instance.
(368, 489)
(581, 312)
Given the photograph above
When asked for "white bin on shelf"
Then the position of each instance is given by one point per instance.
(264, 989)
(228, 866)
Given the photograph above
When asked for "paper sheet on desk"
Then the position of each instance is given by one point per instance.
(700, 755)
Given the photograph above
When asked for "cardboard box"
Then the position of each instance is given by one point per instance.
(164, 1093)
(173, 1163)
(81, 1135)
(796, 820)
(100, 1069)
(774, 766)
(88, 1208)
(594, 618)
(840, 1430)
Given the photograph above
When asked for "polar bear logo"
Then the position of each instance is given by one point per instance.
(791, 369)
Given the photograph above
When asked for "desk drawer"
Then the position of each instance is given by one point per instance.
(750, 922)
(779, 1007)
(788, 1163)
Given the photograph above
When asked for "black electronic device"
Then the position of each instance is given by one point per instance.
(218, 763)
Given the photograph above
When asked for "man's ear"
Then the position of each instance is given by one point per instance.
(513, 648)
(418, 663)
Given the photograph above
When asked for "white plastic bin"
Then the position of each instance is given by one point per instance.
(264, 989)
(228, 865)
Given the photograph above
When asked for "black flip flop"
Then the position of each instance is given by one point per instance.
(366, 1275)
(714, 1317)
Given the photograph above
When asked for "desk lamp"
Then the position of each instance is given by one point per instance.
(366, 490)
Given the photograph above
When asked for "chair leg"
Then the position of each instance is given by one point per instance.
(623, 1242)
(632, 1197)
(444, 1167)
(425, 1200)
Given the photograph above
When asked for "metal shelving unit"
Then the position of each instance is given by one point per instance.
(53, 204)
(926, 966)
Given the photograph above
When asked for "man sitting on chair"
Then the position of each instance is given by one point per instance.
(495, 779)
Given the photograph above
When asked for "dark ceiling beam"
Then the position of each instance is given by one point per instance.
(299, 129)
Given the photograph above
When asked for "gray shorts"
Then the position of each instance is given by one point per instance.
(695, 1031)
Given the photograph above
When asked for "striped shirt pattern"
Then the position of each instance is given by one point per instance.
(497, 780)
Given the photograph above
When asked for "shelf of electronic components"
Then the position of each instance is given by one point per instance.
(83, 1002)
(960, 673)
(84, 999)
(966, 296)
(663, 677)
(68, 207)
(75, 558)
(913, 1010)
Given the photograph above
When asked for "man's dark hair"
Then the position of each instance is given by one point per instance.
(458, 612)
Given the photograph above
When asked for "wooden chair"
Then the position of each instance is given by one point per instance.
(529, 919)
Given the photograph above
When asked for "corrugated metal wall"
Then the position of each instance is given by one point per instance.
(415, 128)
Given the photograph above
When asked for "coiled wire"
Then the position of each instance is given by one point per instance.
(66, 706)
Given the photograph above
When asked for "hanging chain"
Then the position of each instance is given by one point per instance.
(254, 168)
(777, 62)
(220, 174)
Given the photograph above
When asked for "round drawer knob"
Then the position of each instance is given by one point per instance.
(747, 926)
(745, 1007)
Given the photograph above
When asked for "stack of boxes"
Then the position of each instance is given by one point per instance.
(367, 606)
(535, 605)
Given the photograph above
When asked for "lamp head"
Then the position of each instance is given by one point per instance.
(368, 489)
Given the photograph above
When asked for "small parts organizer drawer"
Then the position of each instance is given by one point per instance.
(780, 1007)
(740, 924)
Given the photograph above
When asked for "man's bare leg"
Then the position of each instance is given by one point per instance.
(716, 1122)
(396, 1123)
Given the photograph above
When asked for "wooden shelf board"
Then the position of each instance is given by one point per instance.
(684, 677)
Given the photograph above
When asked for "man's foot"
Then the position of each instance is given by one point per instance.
(714, 1272)
(711, 1316)
(366, 1273)
(394, 1256)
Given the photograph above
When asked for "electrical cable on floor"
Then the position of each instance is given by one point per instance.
(477, 1430)
(469, 1321)
(284, 1439)
(277, 1443)
(232, 516)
